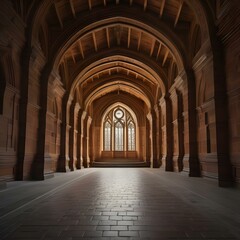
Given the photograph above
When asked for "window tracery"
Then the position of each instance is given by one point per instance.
(119, 131)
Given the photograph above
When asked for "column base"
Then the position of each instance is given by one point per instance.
(35, 175)
(37, 169)
(192, 166)
(85, 163)
(62, 164)
(169, 164)
(194, 169)
(180, 163)
(79, 163)
(156, 164)
(70, 165)
(225, 175)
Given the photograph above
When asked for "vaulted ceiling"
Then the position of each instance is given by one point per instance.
(101, 46)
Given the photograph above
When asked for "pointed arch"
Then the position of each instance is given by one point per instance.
(119, 129)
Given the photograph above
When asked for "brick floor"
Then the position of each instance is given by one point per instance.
(119, 204)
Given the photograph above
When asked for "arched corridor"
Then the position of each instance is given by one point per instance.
(149, 83)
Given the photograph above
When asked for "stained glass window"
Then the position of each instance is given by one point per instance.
(117, 123)
(131, 136)
(107, 136)
(119, 137)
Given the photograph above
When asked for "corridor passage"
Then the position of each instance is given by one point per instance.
(119, 203)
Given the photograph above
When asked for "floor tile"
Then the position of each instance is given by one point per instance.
(120, 204)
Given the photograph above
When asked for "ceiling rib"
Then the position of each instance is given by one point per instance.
(178, 13)
(159, 49)
(152, 47)
(90, 4)
(165, 57)
(162, 8)
(145, 5)
(58, 15)
(108, 40)
(129, 36)
(94, 41)
(139, 40)
(72, 8)
(73, 57)
(123, 34)
(81, 48)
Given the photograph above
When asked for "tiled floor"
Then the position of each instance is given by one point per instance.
(119, 203)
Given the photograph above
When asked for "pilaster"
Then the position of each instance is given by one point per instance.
(167, 128)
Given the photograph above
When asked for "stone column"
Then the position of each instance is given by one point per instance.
(79, 140)
(65, 127)
(84, 139)
(167, 129)
(174, 101)
(37, 167)
(177, 123)
(30, 112)
(59, 93)
(148, 142)
(150, 135)
(155, 137)
(180, 132)
(158, 136)
(89, 121)
(190, 126)
(86, 160)
(142, 142)
(225, 170)
(72, 136)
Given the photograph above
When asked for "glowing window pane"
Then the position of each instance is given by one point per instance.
(131, 137)
(118, 137)
(107, 136)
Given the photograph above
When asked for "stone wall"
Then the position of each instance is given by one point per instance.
(11, 44)
(229, 33)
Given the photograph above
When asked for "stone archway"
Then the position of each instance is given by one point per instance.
(166, 63)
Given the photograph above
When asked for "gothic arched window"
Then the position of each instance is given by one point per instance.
(119, 131)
